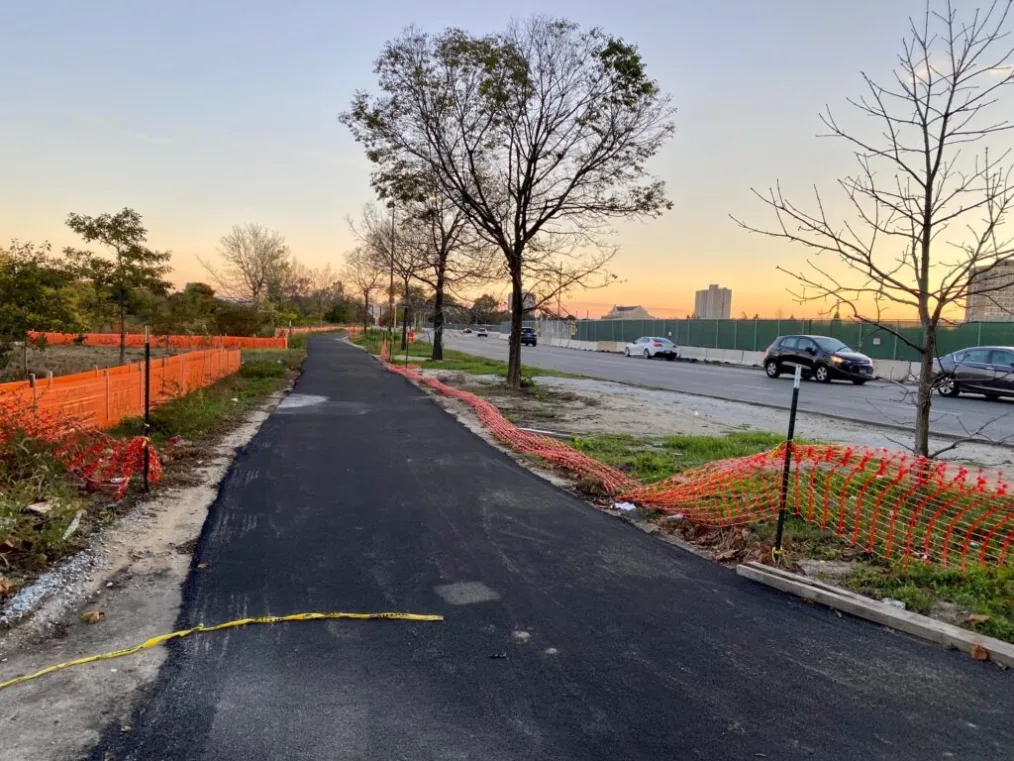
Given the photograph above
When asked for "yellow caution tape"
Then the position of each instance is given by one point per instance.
(201, 628)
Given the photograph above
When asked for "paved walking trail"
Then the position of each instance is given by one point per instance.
(361, 494)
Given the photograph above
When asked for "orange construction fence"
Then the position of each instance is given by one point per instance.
(888, 503)
(279, 332)
(136, 340)
(102, 398)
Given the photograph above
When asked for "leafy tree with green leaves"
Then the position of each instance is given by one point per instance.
(540, 135)
(132, 264)
(486, 310)
(192, 310)
(33, 295)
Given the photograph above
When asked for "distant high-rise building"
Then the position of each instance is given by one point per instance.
(991, 294)
(713, 304)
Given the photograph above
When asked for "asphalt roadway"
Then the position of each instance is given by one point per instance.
(878, 403)
(569, 634)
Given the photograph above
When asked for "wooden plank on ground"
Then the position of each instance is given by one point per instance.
(947, 635)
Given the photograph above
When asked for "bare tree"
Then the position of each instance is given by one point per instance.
(362, 272)
(387, 243)
(925, 231)
(325, 287)
(451, 255)
(538, 134)
(252, 258)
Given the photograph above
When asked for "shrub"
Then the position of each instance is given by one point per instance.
(262, 368)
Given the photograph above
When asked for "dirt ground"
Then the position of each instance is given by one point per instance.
(585, 406)
(132, 574)
(65, 360)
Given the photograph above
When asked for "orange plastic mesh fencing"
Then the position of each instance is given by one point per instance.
(888, 503)
(102, 398)
(102, 461)
(136, 340)
(281, 332)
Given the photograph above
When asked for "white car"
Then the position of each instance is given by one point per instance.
(649, 347)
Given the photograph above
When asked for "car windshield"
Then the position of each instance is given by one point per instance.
(831, 344)
(661, 340)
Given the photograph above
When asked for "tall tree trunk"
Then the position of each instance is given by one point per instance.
(517, 317)
(123, 326)
(438, 315)
(366, 311)
(924, 398)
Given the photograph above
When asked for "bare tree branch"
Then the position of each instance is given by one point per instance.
(924, 232)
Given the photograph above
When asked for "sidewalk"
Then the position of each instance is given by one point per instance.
(568, 634)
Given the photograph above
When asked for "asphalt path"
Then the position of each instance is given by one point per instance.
(569, 634)
(878, 403)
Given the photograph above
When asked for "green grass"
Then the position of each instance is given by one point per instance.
(457, 361)
(204, 412)
(988, 593)
(652, 460)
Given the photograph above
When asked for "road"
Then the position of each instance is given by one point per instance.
(876, 403)
(569, 634)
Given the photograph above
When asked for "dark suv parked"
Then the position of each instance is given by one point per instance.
(821, 358)
(528, 337)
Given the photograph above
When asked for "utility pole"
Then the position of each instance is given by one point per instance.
(390, 290)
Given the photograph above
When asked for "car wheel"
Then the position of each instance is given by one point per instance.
(947, 386)
(992, 397)
(647, 354)
(626, 352)
(822, 374)
(859, 381)
(772, 369)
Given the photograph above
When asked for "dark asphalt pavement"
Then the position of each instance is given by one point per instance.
(361, 494)
(874, 403)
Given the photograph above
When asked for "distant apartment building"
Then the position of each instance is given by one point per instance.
(715, 303)
(635, 312)
(991, 294)
(529, 300)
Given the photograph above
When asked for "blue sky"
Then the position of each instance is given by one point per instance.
(204, 115)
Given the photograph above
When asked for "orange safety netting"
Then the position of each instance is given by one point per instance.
(281, 332)
(889, 503)
(102, 398)
(136, 341)
(99, 459)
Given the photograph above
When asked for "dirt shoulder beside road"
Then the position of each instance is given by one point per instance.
(585, 406)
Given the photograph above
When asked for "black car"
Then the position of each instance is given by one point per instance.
(528, 337)
(821, 358)
(985, 370)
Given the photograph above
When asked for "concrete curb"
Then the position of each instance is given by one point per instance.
(947, 635)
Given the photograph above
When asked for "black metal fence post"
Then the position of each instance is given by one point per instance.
(147, 407)
(784, 499)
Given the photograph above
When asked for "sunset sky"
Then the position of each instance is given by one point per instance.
(202, 115)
